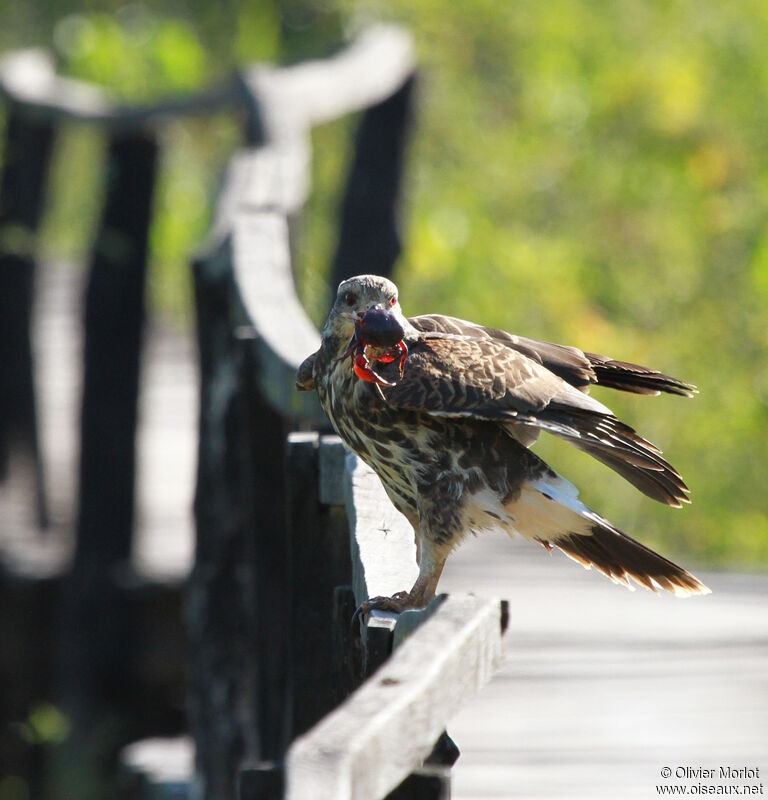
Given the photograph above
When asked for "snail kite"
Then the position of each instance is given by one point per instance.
(445, 412)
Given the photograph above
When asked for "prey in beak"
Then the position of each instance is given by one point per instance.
(377, 338)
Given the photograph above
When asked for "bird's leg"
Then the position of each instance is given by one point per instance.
(430, 569)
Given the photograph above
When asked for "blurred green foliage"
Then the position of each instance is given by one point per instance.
(587, 172)
(46, 724)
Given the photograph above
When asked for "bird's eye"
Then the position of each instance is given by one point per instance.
(350, 298)
(393, 300)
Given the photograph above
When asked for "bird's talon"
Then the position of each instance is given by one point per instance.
(397, 603)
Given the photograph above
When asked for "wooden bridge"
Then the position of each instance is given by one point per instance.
(600, 688)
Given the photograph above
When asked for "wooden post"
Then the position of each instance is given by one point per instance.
(114, 320)
(269, 625)
(220, 593)
(263, 780)
(428, 783)
(370, 238)
(96, 644)
(320, 562)
(347, 645)
(28, 145)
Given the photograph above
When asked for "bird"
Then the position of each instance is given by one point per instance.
(445, 411)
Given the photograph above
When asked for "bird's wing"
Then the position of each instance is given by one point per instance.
(578, 368)
(480, 378)
(305, 380)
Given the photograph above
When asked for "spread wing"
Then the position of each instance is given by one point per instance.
(481, 378)
(574, 366)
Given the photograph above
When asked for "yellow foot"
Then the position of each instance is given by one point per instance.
(401, 601)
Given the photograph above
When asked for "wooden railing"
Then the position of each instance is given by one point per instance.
(391, 724)
(359, 750)
(285, 698)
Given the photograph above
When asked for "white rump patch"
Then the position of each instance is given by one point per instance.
(484, 508)
(548, 508)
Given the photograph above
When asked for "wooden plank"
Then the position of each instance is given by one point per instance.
(681, 677)
(332, 457)
(320, 563)
(382, 543)
(382, 548)
(387, 728)
(28, 78)
(372, 67)
(157, 769)
(285, 336)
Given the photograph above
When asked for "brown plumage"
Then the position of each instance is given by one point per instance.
(449, 437)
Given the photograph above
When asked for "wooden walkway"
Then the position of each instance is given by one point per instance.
(602, 687)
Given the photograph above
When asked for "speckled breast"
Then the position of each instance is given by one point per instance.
(385, 438)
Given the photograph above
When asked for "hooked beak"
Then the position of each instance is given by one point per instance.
(380, 327)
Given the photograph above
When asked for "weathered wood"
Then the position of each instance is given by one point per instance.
(332, 457)
(251, 251)
(320, 562)
(28, 78)
(268, 564)
(267, 185)
(347, 646)
(220, 592)
(445, 753)
(384, 730)
(284, 333)
(382, 545)
(262, 780)
(383, 553)
(371, 68)
(114, 320)
(97, 643)
(311, 93)
(370, 212)
(156, 769)
(28, 145)
(428, 783)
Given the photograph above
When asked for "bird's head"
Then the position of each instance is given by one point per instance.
(366, 306)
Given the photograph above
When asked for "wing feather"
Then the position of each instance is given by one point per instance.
(578, 368)
(453, 375)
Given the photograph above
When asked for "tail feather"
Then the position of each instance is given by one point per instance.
(549, 512)
(628, 377)
(620, 557)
